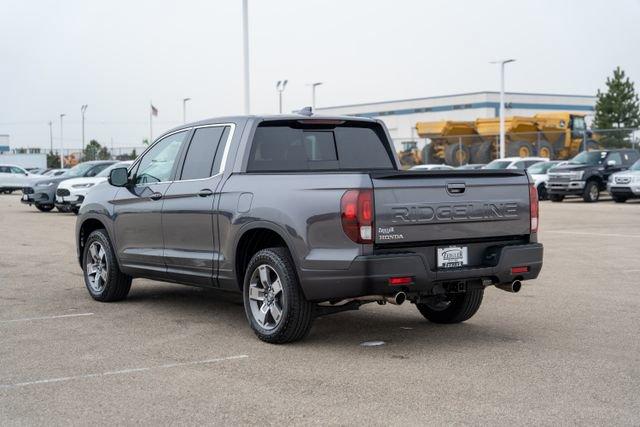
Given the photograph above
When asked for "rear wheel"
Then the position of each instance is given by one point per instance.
(591, 192)
(452, 308)
(102, 276)
(274, 303)
(44, 208)
(519, 149)
(556, 197)
(545, 149)
(619, 199)
(481, 153)
(457, 154)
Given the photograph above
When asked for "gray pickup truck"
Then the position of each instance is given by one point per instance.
(307, 216)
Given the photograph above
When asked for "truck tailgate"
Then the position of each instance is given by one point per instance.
(415, 207)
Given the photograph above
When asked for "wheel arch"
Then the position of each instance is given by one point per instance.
(85, 228)
(254, 237)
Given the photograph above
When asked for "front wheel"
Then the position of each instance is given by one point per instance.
(102, 276)
(274, 304)
(591, 192)
(619, 199)
(452, 308)
(44, 208)
(542, 192)
(556, 197)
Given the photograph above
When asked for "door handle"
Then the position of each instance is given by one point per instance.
(205, 192)
(156, 196)
(456, 188)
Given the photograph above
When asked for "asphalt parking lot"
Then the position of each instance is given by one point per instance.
(565, 350)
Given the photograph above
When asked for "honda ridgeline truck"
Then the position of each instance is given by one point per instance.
(307, 216)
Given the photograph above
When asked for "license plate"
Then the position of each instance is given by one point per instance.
(452, 257)
(25, 197)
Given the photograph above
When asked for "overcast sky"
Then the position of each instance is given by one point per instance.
(117, 56)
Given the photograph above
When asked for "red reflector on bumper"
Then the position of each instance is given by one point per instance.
(516, 270)
(395, 281)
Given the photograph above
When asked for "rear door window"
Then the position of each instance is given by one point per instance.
(199, 161)
(294, 147)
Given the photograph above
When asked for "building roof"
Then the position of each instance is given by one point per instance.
(429, 98)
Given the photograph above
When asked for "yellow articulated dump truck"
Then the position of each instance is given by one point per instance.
(554, 135)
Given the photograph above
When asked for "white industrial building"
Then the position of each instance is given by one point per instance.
(401, 116)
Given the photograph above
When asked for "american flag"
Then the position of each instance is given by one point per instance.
(154, 111)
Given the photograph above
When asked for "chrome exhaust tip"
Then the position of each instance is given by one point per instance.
(513, 287)
(397, 299)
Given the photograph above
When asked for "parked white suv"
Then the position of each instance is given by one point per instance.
(625, 184)
(521, 163)
(14, 177)
(71, 192)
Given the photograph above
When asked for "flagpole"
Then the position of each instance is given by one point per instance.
(150, 122)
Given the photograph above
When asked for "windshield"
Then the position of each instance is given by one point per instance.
(498, 164)
(589, 158)
(635, 166)
(541, 168)
(81, 169)
(105, 173)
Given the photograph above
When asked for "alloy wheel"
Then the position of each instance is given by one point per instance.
(266, 297)
(97, 267)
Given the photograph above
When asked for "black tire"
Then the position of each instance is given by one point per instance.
(481, 153)
(460, 307)
(296, 312)
(456, 155)
(75, 210)
(619, 199)
(542, 192)
(429, 155)
(545, 149)
(519, 149)
(117, 285)
(556, 197)
(591, 192)
(44, 208)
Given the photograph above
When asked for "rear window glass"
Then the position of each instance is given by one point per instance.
(290, 146)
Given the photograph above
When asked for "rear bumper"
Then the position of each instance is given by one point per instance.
(369, 275)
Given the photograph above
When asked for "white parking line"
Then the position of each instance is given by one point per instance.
(61, 316)
(120, 372)
(584, 233)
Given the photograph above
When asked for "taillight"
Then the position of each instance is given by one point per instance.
(533, 203)
(356, 207)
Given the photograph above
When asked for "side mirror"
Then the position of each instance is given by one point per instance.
(119, 177)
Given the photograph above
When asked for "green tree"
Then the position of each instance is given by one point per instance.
(104, 154)
(617, 108)
(53, 160)
(92, 150)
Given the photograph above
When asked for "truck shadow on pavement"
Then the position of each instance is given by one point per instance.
(400, 327)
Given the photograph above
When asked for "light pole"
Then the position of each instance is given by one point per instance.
(502, 63)
(61, 143)
(82, 110)
(313, 93)
(51, 136)
(280, 86)
(245, 53)
(184, 109)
